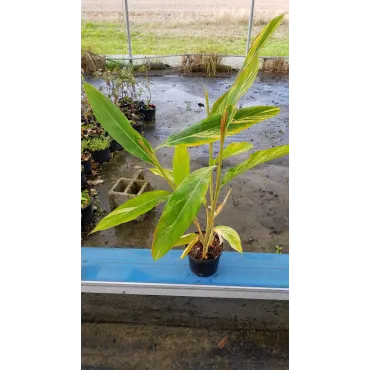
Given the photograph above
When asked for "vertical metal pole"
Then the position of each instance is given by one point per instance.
(250, 26)
(128, 32)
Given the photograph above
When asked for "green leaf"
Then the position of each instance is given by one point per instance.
(242, 83)
(207, 100)
(208, 129)
(132, 209)
(188, 248)
(254, 160)
(180, 211)
(234, 149)
(247, 117)
(249, 70)
(168, 172)
(261, 38)
(185, 239)
(181, 164)
(231, 236)
(117, 125)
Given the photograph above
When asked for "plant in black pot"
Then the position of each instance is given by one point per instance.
(86, 207)
(86, 157)
(99, 147)
(201, 189)
(83, 177)
(137, 125)
(148, 109)
(115, 146)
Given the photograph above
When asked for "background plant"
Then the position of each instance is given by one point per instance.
(85, 198)
(84, 146)
(192, 190)
(98, 143)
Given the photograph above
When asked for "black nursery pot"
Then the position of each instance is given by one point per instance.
(87, 165)
(101, 156)
(204, 268)
(83, 180)
(115, 146)
(87, 213)
(139, 127)
(149, 114)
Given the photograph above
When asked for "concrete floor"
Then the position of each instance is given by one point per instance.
(258, 206)
(139, 347)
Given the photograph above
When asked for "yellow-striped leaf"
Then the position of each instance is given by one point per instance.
(247, 117)
(262, 37)
(117, 125)
(249, 70)
(181, 164)
(219, 208)
(256, 158)
(188, 248)
(242, 83)
(168, 172)
(207, 100)
(208, 129)
(180, 211)
(231, 236)
(132, 209)
(234, 149)
(185, 239)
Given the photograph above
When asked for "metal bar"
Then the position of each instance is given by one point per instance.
(185, 290)
(128, 31)
(250, 26)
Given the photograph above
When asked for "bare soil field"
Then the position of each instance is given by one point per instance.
(180, 10)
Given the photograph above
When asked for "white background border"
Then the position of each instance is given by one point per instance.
(329, 185)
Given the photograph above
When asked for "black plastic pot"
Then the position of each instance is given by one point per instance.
(87, 165)
(87, 213)
(115, 146)
(204, 268)
(101, 156)
(83, 180)
(139, 127)
(149, 114)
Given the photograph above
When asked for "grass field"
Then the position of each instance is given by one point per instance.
(106, 37)
(177, 26)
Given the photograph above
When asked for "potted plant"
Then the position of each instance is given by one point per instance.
(137, 126)
(85, 157)
(148, 109)
(199, 190)
(86, 207)
(83, 177)
(115, 146)
(99, 146)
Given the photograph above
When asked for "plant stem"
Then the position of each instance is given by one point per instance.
(210, 221)
(210, 164)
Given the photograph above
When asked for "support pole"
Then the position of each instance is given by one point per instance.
(128, 32)
(250, 26)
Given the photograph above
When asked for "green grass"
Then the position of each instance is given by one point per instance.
(157, 39)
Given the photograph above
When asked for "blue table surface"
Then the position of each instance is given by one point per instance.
(133, 265)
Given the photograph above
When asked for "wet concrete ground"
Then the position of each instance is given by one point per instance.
(258, 206)
(122, 346)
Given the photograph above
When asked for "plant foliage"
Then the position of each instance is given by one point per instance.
(192, 190)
